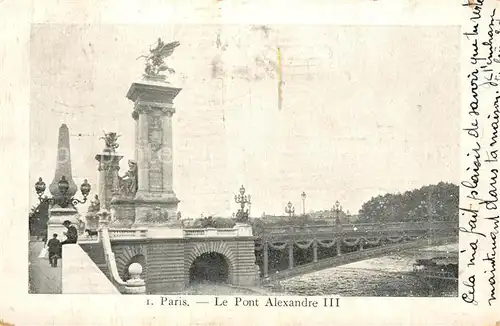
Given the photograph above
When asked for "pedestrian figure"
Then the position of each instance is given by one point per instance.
(71, 235)
(54, 250)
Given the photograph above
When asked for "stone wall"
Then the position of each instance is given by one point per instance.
(168, 261)
(165, 266)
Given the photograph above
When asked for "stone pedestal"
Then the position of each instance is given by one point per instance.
(155, 200)
(57, 216)
(123, 212)
(244, 229)
(91, 221)
(122, 208)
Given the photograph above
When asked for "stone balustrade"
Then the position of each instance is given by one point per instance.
(360, 228)
(194, 232)
(210, 232)
(246, 230)
(240, 230)
(128, 233)
(135, 285)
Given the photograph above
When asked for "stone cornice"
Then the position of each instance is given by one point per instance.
(108, 161)
(149, 89)
(144, 107)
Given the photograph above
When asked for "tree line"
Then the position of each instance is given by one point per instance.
(433, 202)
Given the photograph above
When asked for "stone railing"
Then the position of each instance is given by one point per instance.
(128, 233)
(275, 231)
(80, 275)
(355, 256)
(133, 286)
(361, 228)
(239, 230)
(210, 232)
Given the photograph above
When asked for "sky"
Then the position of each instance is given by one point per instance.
(366, 110)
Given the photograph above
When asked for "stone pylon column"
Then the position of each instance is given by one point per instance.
(109, 165)
(57, 214)
(122, 207)
(155, 200)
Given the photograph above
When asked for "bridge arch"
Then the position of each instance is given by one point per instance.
(209, 254)
(128, 255)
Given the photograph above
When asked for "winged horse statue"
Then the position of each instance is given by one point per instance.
(155, 62)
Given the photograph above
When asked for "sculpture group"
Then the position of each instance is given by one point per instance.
(128, 182)
(155, 60)
(110, 139)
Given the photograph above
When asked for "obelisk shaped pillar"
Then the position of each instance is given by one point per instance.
(155, 200)
(58, 214)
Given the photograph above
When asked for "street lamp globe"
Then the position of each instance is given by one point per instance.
(40, 187)
(85, 188)
(303, 195)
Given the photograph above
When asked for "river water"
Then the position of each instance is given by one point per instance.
(386, 276)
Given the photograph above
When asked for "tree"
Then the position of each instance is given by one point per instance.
(38, 218)
(433, 202)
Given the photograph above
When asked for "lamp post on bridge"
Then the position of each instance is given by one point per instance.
(336, 209)
(242, 199)
(63, 199)
(289, 209)
(303, 196)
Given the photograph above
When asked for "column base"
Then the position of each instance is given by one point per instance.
(57, 216)
(160, 197)
(146, 209)
(156, 211)
(123, 215)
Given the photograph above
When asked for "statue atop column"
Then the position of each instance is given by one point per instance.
(155, 62)
(111, 141)
(128, 183)
(149, 178)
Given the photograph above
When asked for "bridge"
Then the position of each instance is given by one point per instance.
(291, 251)
(141, 247)
(173, 260)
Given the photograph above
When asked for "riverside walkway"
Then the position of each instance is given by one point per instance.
(43, 279)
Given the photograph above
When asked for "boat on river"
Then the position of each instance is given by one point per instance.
(440, 267)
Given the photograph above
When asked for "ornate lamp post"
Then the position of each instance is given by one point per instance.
(64, 200)
(242, 199)
(336, 212)
(289, 209)
(303, 196)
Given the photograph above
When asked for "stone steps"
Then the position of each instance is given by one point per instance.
(96, 252)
